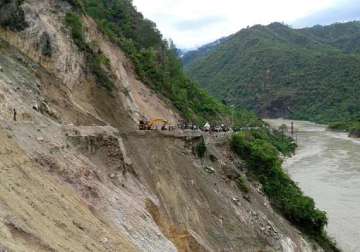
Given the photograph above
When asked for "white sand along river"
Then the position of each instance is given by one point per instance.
(327, 168)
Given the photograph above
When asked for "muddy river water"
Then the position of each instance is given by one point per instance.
(327, 168)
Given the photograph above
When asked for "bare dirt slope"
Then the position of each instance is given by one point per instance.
(39, 213)
(202, 209)
(77, 176)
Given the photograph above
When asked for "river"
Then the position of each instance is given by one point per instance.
(327, 168)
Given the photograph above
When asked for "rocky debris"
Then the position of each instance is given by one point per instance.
(3, 249)
(247, 198)
(40, 139)
(259, 189)
(230, 172)
(235, 200)
(47, 162)
(213, 158)
(267, 228)
(104, 240)
(209, 169)
(45, 109)
(102, 143)
(78, 225)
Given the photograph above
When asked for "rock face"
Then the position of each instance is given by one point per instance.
(76, 175)
(11, 15)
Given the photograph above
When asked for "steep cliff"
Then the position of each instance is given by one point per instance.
(76, 175)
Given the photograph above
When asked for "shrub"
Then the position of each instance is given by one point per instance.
(355, 129)
(45, 45)
(201, 149)
(281, 142)
(339, 126)
(96, 61)
(265, 165)
(12, 15)
(242, 185)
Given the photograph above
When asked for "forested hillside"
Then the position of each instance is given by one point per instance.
(277, 71)
(155, 59)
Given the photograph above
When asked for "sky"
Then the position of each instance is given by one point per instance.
(192, 23)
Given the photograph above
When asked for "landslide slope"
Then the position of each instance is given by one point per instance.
(76, 175)
(278, 71)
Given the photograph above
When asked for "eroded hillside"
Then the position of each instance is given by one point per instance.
(76, 175)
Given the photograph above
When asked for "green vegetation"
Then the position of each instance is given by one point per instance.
(264, 164)
(353, 127)
(12, 16)
(45, 45)
(242, 184)
(276, 71)
(73, 21)
(155, 60)
(200, 149)
(96, 61)
(355, 130)
(280, 141)
(340, 126)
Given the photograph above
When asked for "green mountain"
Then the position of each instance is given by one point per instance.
(277, 71)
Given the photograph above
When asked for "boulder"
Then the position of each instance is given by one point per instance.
(40, 139)
(230, 172)
(209, 170)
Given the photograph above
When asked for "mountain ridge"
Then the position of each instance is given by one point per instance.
(291, 64)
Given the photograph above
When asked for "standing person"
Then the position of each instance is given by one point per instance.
(15, 114)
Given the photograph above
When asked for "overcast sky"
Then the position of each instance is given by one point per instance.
(192, 23)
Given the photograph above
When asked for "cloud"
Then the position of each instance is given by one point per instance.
(192, 23)
(200, 23)
(348, 10)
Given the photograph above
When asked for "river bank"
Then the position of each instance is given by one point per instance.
(327, 168)
(352, 127)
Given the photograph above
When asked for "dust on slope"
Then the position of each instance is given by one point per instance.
(131, 98)
(88, 160)
(148, 188)
(140, 99)
(38, 213)
(199, 211)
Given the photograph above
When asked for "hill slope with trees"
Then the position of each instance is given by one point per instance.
(155, 60)
(277, 71)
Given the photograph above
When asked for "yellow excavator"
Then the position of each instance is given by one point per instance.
(153, 124)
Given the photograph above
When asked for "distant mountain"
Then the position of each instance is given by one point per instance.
(277, 71)
(202, 51)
